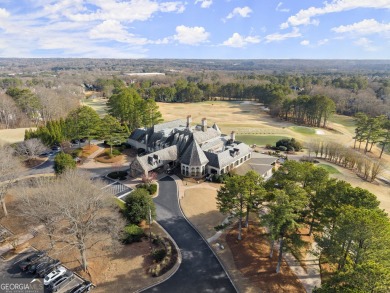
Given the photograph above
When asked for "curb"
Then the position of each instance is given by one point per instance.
(47, 159)
(174, 268)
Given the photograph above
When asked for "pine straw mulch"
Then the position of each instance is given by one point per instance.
(251, 257)
(89, 150)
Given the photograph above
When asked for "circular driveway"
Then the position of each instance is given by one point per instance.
(200, 270)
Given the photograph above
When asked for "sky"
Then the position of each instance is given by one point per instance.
(196, 29)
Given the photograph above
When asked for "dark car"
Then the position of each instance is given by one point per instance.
(84, 139)
(56, 148)
(84, 287)
(61, 281)
(54, 263)
(75, 141)
(24, 264)
(33, 267)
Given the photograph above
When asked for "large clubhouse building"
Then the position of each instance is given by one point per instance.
(199, 149)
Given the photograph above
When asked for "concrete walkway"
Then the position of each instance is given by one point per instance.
(20, 240)
(311, 277)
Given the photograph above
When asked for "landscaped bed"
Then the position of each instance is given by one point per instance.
(89, 150)
(251, 258)
(106, 157)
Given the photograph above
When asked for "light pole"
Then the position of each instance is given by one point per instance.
(150, 229)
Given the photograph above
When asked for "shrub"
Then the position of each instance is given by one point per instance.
(150, 188)
(138, 205)
(62, 162)
(116, 152)
(282, 148)
(77, 152)
(159, 254)
(133, 233)
(289, 143)
(291, 149)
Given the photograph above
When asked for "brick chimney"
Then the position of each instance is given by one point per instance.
(204, 124)
(233, 136)
(189, 120)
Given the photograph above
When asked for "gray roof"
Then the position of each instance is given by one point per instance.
(215, 126)
(164, 156)
(225, 158)
(169, 124)
(215, 144)
(247, 166)
(263, 161)
(193, 155)
(203, 136)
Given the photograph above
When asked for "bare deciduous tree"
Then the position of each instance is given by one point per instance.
(10, 115)
(82, 214)
(9, 166)
(377, 169)
(30, 148)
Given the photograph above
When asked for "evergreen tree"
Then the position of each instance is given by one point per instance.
(63, 162)
(139, 206)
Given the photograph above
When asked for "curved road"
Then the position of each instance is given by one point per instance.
(200, 270)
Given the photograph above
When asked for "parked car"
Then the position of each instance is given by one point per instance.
(32, 268)
(48, 267)
(84, 139)
(56, 148)
(84, 287)
(61, 281)
(53, 275)
(75, 141)
(23, 265)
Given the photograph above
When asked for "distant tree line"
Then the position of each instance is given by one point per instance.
(372, 130)
(364, 166)
(49, 96)
(35, 102)
(127, 109)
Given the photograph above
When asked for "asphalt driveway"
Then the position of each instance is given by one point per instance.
(200, 270)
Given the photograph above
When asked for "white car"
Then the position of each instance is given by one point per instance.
(53, 275)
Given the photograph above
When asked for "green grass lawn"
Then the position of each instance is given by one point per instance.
(98, 105)
(303, 130)
(330, 169)
(260, 140)
(346, 121)
(120, 203)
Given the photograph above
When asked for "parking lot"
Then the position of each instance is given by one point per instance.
(11, 269)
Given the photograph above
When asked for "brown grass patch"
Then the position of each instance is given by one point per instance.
(200, 206)
(9, 136)
(34, 162)
(89, 150)
(104, 158)
(251, 257)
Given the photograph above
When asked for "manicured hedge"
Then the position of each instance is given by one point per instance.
(151, 188)
(133, 233)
